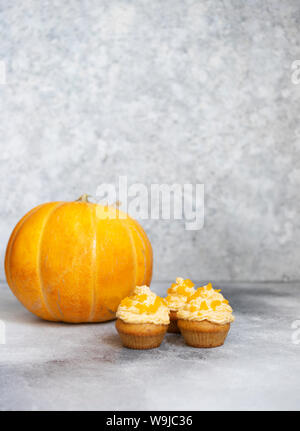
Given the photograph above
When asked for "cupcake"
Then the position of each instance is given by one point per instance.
(142, 319)
(178, 294)
(205, 319)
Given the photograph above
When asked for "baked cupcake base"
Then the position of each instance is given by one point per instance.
(203, 334)
(173, 327)
(140, 335)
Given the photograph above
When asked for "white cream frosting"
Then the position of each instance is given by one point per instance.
(143, 306)
(207, 304)
(178, 293)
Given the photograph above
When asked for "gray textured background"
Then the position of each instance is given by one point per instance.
(160, 91)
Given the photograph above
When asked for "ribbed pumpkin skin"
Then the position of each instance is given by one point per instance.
(75, 261)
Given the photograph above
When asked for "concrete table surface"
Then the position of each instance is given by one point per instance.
(55, 366)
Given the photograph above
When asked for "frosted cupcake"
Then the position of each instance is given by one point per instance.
(178, 294)
(205, 319)
(142, 319)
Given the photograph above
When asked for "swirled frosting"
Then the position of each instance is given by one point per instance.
(179, 292)
(207, 304)
(143, 306)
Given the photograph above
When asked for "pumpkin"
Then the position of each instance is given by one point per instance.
(75, 261)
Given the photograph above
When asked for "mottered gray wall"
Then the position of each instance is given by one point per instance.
(162, 92)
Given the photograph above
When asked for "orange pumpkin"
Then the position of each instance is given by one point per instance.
(75, 261)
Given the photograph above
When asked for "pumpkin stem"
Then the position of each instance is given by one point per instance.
(83, 198)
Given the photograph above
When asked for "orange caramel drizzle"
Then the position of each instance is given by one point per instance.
(205, 304)
(141, 305)
(181, 289)
(203, 289)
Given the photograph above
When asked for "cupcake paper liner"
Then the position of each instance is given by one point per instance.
(141, 336)
(211, 335)
(173, 327)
